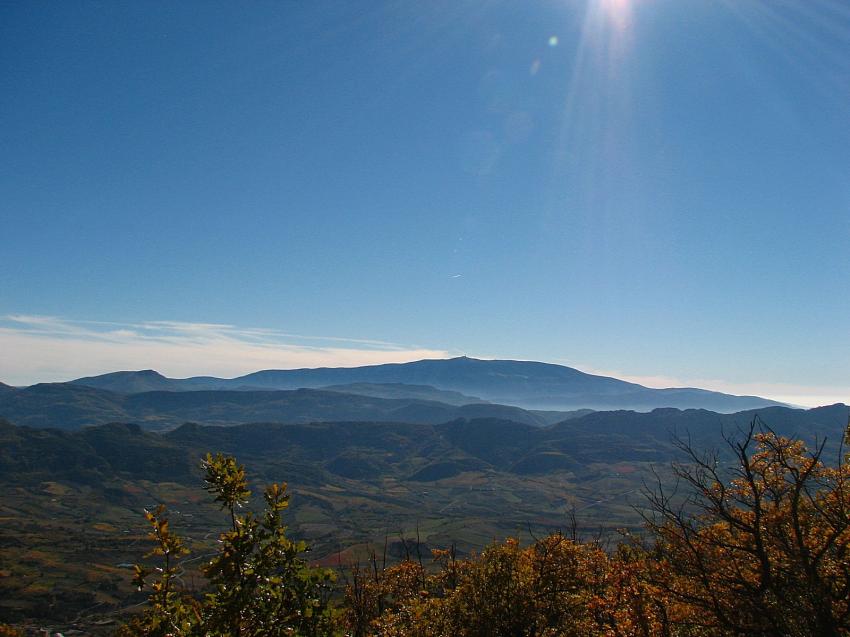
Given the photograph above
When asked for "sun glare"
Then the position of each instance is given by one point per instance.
(619, 12)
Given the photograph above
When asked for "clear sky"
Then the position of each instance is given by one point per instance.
(655, 189)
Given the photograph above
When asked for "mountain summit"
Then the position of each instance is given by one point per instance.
(129, 382)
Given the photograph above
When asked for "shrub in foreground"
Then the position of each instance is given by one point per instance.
(258, 583)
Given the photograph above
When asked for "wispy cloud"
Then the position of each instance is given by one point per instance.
(48, 348)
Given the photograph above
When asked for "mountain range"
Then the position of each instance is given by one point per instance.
(526, 384)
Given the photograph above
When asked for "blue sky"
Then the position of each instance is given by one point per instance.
(657, 189)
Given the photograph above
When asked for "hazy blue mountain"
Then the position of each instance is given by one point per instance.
(402, 390)
(4, 388)
(130, 382)
(71, 406)
(552, 417)
(526, 384)
(136, 382)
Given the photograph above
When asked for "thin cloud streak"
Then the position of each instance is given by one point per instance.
(52, 349)
(158, 329)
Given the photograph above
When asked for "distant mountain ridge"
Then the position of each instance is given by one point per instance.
(527, 384)
(70, 406)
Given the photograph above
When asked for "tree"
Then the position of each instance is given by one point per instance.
(768, 551)
(258, 583)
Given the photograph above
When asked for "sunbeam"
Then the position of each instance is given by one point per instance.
(593, 154)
